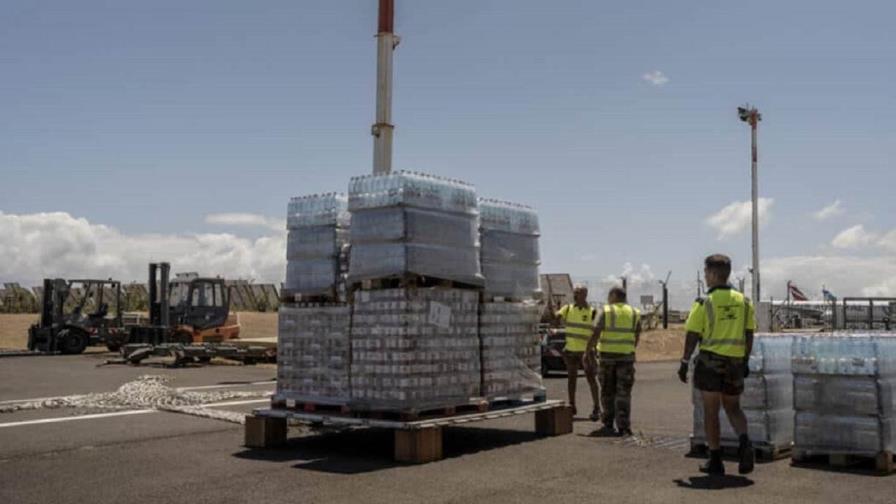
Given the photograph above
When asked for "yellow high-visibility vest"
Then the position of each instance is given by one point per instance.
(579, 325)
(721, 319)
(620, 325)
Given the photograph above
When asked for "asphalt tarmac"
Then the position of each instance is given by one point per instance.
(143, 456)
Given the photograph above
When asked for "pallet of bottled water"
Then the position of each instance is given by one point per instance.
(330, 209)
(767, 400)
(844, 393)
(317, 244)
(510, 257)
(411, 189)
(511, 355)
(313, 354)
(411, 223)
(414, 349)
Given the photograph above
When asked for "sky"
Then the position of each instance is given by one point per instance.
(137, 131)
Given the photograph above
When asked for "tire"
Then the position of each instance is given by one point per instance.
(72, 341)
(545, 370)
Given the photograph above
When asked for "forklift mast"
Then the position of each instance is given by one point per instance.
(159, 294)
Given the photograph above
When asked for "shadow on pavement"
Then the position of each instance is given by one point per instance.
(714, 482)
(367, 450)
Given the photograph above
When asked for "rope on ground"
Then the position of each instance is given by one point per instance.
(146, 392)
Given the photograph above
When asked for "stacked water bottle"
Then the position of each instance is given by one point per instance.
(767, 400)
(407, 222)
(316, 249)
(844, 393)
(509, 236)
(313, 337)
(508, 317)
(414, 347)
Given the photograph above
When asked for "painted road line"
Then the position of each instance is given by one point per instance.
(79, 417)
(120, 413)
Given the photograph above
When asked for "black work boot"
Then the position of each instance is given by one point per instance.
(714, 466)
(746, 454)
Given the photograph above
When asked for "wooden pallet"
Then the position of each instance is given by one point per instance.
(417, 441)
(764, 452)
(882, 463)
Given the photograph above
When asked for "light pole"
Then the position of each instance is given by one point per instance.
(665, 284)
(381, 130)
(752, 116)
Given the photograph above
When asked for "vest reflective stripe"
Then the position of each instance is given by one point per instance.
(616, 339)
(578, 331)
(728, 339)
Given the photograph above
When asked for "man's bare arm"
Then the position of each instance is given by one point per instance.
(748, 336)
(638, 333)
(690, 344)
(595, 335)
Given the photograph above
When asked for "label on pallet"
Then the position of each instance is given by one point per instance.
(439, 315)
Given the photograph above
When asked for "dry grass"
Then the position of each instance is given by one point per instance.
(662, 344)
(258, 325)
(14, 329)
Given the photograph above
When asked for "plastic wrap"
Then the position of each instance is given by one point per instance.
(851, 395)
(411, 189)
(318, 210)
(413, 225)
(511, 355)
(312, 276)
(414, 349)
(378, 260)
(500, 246)
(843, 392)
(857, 354)
(315, 242)
(510, 255)
(313, 354)
(510, 280)
(496, 215)
(856, 435)
(771, 353)
(765, 392)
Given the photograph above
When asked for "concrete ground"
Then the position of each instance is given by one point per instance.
(147, 456)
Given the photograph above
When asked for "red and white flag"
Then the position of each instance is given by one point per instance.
(795, 293)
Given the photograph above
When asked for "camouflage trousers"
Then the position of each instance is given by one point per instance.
(616, 377)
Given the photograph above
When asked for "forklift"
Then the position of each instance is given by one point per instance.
(76, 314)
(186, 310)
(189, 320)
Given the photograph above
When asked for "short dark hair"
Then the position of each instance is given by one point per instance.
(719, 264)
(618, 292)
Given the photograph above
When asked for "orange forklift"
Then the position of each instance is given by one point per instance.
(187, 310)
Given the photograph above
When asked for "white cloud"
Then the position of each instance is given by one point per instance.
(737, 217)
(633, 277)
(833, 210)
(842, 275)
(245, 220)
(854, 237)
(34, 246)
(656, 77)
(888, 241)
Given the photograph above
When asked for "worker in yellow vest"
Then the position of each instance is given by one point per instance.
(722, 323)
(578, 322)
(615, 335)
